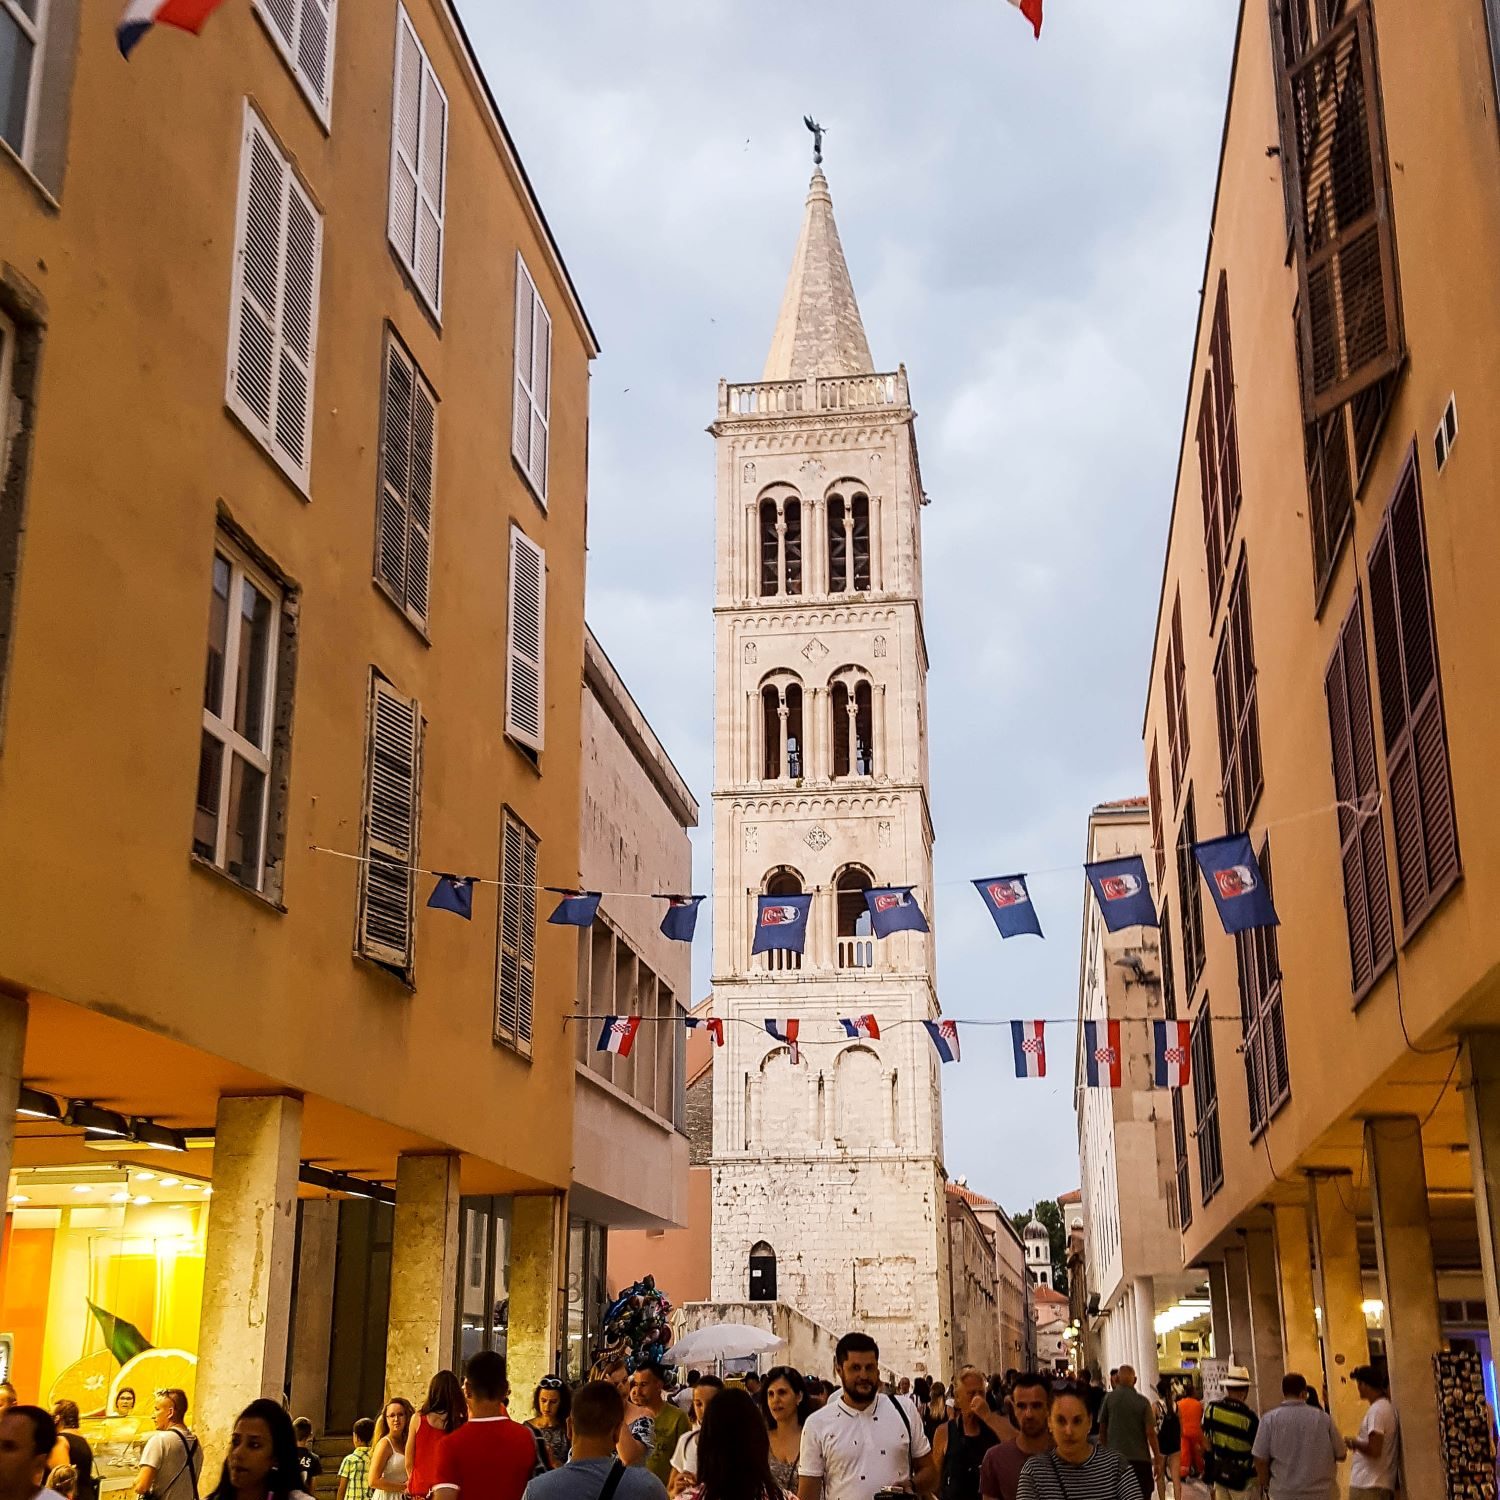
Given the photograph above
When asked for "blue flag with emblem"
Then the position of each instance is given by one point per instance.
(893, 908)
(1009, 903)
(1123, 892)
(781, 922)
(454, 893)
(1236, 883)
(576, 909)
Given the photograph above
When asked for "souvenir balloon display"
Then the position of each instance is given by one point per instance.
(635, 1324)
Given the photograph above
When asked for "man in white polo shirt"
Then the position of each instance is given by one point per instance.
(861, 1442)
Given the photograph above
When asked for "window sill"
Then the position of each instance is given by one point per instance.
(389, 594)
(35, 183)
(507, 1044)
(1431, 905)
(209, 868)
(531, 489)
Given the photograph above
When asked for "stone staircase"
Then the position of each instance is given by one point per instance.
(333, 1449)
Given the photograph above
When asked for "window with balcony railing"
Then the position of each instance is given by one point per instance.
(856, 941)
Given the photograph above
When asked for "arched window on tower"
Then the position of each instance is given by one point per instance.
(838, 546)
(859, 542)
(783, 881)
(781, 729)
(791, 514)
(780, 540)
(770, 548)
(861, 1108)
(762, 1272)
(851, 700)
(848, 542)
(856, 942)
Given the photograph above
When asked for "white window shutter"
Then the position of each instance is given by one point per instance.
(533, 383)
(432, 169)
(419, 164)
(387, 905)
(257, 277)
(406, 119)
(520, 432)
(315, 51)
(299, 324)
(525, 667)
(541, 382)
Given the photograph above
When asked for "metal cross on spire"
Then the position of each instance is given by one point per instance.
(817, 135)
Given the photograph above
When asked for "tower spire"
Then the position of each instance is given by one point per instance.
(819, 330)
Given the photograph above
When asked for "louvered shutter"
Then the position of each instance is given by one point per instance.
(1225, 421)
(1334, 146)
(1361, 835)
(1411, 705)
(392, 800)
(408, 452)
(1157, 836)
(515, 966)
(274, 308)
(525, 667)
(303, 31)
(533, 382)
(423, 463)
(1208, 474)
(419, 164)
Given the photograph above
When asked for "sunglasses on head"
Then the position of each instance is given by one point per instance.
(550, 1383)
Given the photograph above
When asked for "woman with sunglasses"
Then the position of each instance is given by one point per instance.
(551, 1401)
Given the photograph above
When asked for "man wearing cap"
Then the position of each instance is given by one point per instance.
(1229, 1428)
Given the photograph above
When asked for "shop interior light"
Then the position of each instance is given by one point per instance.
(35, 1105)
(83, 1187)
(121, 1197)
(145, 1176)
(19, 1198)
(166, 1182)
(140, 1199)
(159, 1137)
(90, 1117)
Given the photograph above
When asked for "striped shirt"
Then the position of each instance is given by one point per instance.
(1229, 1428)
(1101, 1476)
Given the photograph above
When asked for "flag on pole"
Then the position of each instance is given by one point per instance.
(1123, 892)
(944, 1036)
(617, 1035)
(1029, 1043)
(139, 16)
(681, 919)
(786, 1031)
(1235, 882)
(893, 909)
(866, 1026)
(781, 922)
(576, 909)
(1009, 903)
(1172, 1042)
(454, 893)
(713, 1024)
(1101, 1054)
(1032, 10)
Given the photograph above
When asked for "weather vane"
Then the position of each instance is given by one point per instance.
(817, 135)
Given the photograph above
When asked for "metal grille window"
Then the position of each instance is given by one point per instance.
(1192, 900)
(1239, 713)
(1411, 705)
(236, 791)
(408, 453)
(303, 33)
(419, 164)
(531, 412)
(515, 953)
(392, 821)
(1174, 687)
(1267, 1075)
(1206, 1106)
(526, 643)
(23, 25)
(1219, 446)
(273, 327)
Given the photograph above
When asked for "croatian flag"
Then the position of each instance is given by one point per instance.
(454, 893)
(1010, 905)
(1235, 882)
(1123, 892)
(1172, 1042)
(681, 919)
(576, 909)
(1028, 1041)
(1101, 1054)
(713, 1024)
(617, 1035)
(893, 909)
(786, 1031)
(944, 1036)
(140, 16)
(866, 1026)
(1032, 10)
(781, 922)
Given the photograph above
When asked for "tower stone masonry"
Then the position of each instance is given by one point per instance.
(827, 1173)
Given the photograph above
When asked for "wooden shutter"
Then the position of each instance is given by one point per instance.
(1190, 899)
(1333, 144)
(1238, 708)
(530, 413)
(303, 32)
(515, 966)
(1267, 1077)
(1157, 837)
(1351, 733)
(419, 164)
(1174, 682)
(525, 657)
(1411, 705)
(1179, 1144)
(1213, 510)
(1206, 1107)
(387, 896)
(1218, 446)
(408, 453)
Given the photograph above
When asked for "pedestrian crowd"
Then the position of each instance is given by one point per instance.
(636, 1434)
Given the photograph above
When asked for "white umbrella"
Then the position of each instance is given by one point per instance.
(723, 1341)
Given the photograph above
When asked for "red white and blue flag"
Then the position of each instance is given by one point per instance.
(866, 1026)
(944, 1036)
(617, 1035)
(781, 922)
(1236, 883)
(1101, 1054)
(1009, 903)
(1032, 10)
(139, 16)
(714, 1025)
(785, 1031)
(1172, 1042)
(1029, 1042)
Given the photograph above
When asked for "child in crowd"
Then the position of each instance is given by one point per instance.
(354, 1472)
(307, 1461)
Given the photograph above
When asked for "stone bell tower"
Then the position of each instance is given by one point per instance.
(827, 1173)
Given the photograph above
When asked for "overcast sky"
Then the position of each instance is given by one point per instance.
(1025, 224)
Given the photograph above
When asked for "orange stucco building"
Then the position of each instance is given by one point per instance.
(293, 408)
(1325, 637)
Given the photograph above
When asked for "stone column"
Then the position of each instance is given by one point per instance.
(1481, 1078)
(247, 1261)
(424, 1271)
(1218, 1297)
(537, 1285)
(1301, 1351)
(13, 1012)
(1237, 1282)
(312, 1335)
(1346, 1341)
(1408, 1287)
(1267, 1365)
(1145, 1333)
